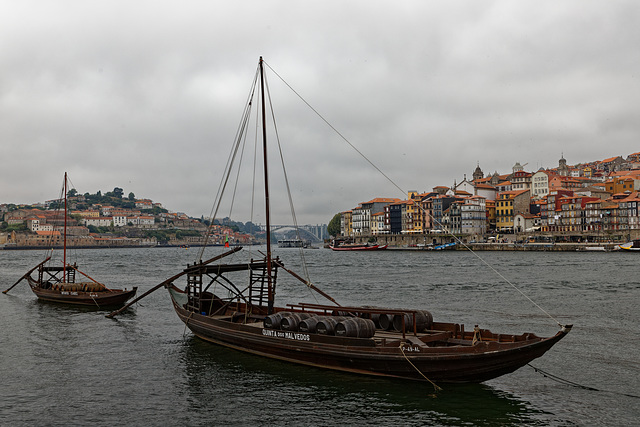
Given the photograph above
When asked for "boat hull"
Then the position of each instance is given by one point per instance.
(108, 298)
(455, 364)
(630, 247)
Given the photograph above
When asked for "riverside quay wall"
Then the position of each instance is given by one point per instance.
(563, 241)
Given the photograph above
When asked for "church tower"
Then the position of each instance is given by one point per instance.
(563, 169)
(477, 174)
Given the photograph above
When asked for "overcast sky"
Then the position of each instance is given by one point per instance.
(147, 95)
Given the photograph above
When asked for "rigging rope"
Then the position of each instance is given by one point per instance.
(230, 161)
(412, 200)
(290, 198)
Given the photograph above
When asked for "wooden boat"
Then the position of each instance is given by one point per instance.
(376, 341)
(631, 246)
(354, 247)
(233, 305)
(57, 283)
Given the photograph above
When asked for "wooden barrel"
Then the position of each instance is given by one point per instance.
(424, 320)
(272, 321)
(291, 322)
(429, 317)
(356, 327)
(385, 322)
(309, 325)
(327, 325)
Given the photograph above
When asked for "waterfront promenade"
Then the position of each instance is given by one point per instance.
(504, 242)
(558, 247)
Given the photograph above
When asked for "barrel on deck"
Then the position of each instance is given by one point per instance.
(356, 327)
(385, 321)
(291, 322)
(327, 325)
(309, 325)
(424, 320)
(272, 321)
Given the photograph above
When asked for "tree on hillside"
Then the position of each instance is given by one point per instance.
(118, 192)
(334, 225)
(251, 228)
(132, 197)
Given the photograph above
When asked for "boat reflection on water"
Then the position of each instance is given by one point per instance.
(272, 391)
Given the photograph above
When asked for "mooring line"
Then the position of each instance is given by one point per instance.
(184, 333)
(94, 300)
(435, 386)
(574, 384)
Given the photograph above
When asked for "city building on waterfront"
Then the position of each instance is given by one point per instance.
(508, 204)
(593, 196)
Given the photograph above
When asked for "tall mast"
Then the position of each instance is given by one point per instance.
(64, 247)
(266, 191)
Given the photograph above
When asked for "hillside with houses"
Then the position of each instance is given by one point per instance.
(111, 220)
(595, 201)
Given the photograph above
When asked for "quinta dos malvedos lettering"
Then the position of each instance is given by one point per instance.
(286, 334)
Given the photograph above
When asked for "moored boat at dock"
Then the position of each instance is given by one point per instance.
(631, 246)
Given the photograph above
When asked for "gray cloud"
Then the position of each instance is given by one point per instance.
(147, 95)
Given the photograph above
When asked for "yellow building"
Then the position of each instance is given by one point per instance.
(377, 223)
(508, 204)
(87, 214)
(504, 212)
(622, 184)
(491, 214)
(346, 224)
(413, 213)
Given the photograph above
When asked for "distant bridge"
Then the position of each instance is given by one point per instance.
(314, 233)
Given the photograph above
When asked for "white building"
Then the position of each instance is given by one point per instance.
(540, 184)
(474, 216)
(102, 221)
(119, 220)
(358, 220)
(141, 220)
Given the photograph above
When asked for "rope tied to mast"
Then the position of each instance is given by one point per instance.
(422, 209)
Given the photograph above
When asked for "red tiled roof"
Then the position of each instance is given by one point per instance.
(48, 233)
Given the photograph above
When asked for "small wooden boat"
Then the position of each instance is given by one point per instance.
(233, 305)
(57, 283)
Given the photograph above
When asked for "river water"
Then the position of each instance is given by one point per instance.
(72, 366)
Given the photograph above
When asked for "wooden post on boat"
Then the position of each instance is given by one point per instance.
(266, 193)
(169, 280)
(26, 274)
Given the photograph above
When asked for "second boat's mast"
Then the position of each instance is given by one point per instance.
(64, 244)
